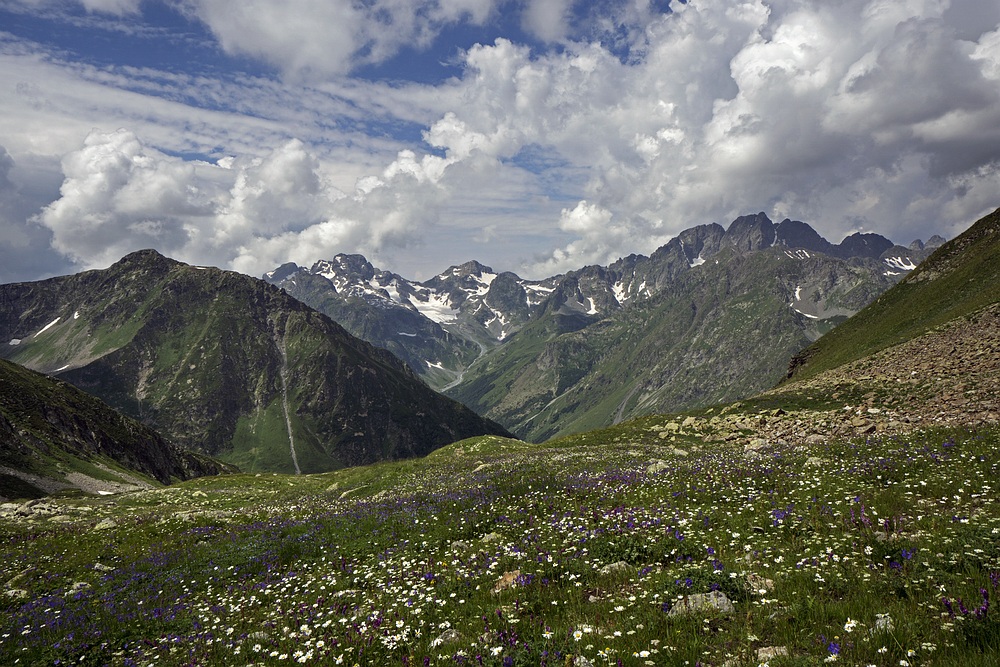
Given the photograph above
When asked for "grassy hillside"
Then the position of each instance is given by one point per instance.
(54, 437)
(875, 551)
(227, 365)
(959, 278)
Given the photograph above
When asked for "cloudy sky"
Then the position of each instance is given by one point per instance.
(534, 135)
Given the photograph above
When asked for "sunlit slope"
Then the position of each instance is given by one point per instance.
(959, 278)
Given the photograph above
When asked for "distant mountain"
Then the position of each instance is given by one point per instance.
(712, 315)
(960, 278)
(228, 365)
(54, 436)
(439, 327)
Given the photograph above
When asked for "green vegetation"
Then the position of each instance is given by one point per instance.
(960, 278)
(873, 551)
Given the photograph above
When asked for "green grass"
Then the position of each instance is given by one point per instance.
(960, 278)
(509, 545)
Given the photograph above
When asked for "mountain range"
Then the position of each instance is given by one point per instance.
(227, 365)
(847, 515)
(708, 317)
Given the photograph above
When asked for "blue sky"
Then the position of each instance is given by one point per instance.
(533, 135)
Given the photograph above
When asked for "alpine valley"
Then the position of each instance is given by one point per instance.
(848, 515)
(711, 316)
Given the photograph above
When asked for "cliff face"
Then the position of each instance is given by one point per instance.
(228, 365)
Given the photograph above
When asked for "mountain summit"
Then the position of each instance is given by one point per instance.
(229, 365)
(712, 315)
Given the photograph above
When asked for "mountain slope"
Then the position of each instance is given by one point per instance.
(602, 344)
(719, 331)
(54, 436)
(228, 365)
(960, 277)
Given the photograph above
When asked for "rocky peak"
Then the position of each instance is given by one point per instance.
(864, 245)
(750, 232)
(352, 267)
(797, 234)
(283, 272)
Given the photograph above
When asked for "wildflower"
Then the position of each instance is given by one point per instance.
(577, 635)
(850, 625)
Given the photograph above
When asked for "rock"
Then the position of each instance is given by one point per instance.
(333, 487)
(759, 583)
(658, 466)
(199, 494)
(507, 580)
(673, 427)
(491, 538)
(615, 568)
(767, 652)
(701, 602)
(78, 587)
(815, 439)
(459, 545)
(449, 636)
(101, 567)
(677, 451)
(814, 461)
(16, 593)
(106, 524)
(690, 421)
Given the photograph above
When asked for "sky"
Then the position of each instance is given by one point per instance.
(536, 136)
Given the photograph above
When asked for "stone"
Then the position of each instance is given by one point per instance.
(814, 461)
(619, 567)
(767, 652)
(106, 524)
(507, 580)
(714, 601)
(449, 636)
(658, 466)
(677, 451)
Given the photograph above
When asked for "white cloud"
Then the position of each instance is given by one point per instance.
(319, 38)
(861, 114)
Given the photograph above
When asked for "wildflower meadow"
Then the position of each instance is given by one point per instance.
(882, 550)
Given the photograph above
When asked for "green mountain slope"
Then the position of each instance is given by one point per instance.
(228, 365)
(959, 278)
(54, 436)
(711, 333)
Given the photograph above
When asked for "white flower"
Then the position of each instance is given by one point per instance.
(850, 625)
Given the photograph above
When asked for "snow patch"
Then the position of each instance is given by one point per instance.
(408, 335)
(798, 293)
(697, 261)
(435, 365)
(593, 308)
(811, 317)
(61, 369)
(901, 263)
(14, 341)
(76, 315)
(46, 327)
(435, 308)
(619, 291)
(798, 254)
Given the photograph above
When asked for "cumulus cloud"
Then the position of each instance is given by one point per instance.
(856, 115)
(859, 115)
(316, 38)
